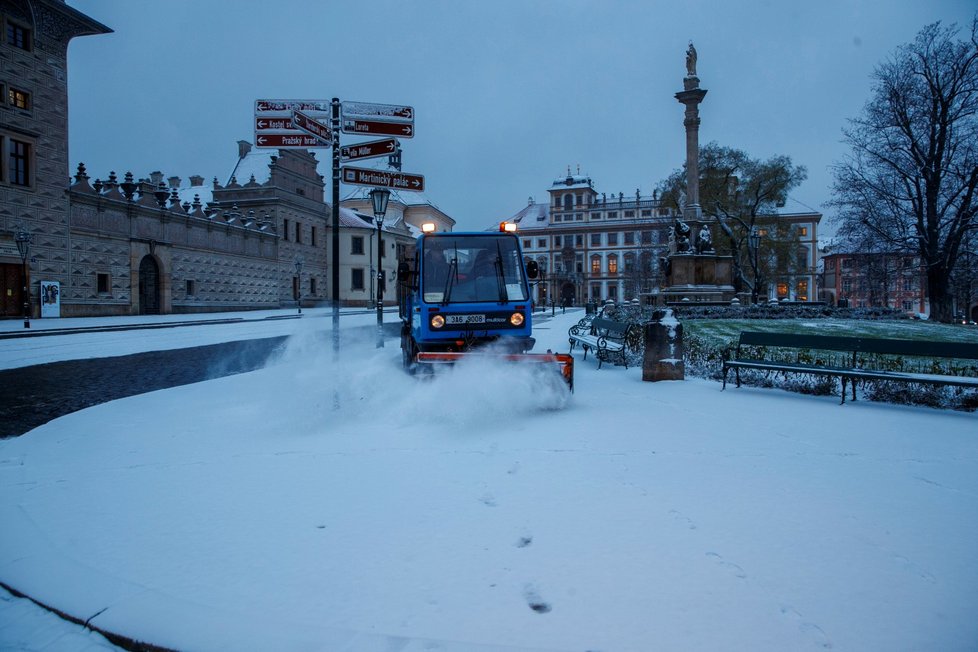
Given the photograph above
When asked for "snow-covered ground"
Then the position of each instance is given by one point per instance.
(346, 506)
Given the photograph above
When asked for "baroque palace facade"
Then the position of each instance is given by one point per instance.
(112, 246)
(597, 248)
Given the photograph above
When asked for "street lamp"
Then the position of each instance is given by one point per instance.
(298, 283)
(24, 241)
(379, 197)
(754, 241)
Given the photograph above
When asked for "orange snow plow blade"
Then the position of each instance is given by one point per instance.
(562, 360)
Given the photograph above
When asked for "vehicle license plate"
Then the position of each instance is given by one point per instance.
(465, 319)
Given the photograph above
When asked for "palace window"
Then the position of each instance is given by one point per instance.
(18, 36)
(19, 99)
(612, 264)
(191, 287)
(102, 283)
(595, 265)
(612, 239)
(629, 237)
(20, 163)
(595, 239)
(356, 248)
(356, 278)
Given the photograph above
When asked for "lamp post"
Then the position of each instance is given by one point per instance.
(24, 240)
(298, 283)
(379, 197)
(754, 241)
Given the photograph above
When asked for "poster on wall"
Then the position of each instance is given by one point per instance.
(50, 299)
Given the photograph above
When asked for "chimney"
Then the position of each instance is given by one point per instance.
(156, 178)
(196, 180)
(174, 182)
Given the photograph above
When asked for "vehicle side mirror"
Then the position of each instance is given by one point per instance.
(404, 273)
(532, 269)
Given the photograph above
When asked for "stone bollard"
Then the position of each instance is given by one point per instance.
(663, 348)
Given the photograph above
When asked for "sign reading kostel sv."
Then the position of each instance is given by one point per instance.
(370, 149)
(397, 180)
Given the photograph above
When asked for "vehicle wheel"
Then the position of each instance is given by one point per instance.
(409, 350)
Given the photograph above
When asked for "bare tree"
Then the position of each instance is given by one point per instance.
(910, 180)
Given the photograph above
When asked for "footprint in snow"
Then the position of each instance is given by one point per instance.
(730, 566)
(534, 601)
(816, 633)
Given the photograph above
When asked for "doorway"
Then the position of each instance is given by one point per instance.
(149, 286)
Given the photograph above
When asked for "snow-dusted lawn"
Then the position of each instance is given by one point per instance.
(483, 511)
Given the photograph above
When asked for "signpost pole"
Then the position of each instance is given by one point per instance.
(335, 124)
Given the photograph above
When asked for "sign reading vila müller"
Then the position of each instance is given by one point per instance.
(383, 178)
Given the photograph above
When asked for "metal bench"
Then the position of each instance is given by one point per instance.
(606, 337)
(856, 365)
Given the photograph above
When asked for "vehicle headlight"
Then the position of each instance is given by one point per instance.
(516, 319)
(437, 321)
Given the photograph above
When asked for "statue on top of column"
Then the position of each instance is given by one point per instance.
(691, 60)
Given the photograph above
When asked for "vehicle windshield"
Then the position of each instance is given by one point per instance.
(471, 268)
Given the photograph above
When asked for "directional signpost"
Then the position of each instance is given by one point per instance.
(384, 147)
(304, 124)
(382, 178)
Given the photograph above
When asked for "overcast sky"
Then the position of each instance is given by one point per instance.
(507, 94)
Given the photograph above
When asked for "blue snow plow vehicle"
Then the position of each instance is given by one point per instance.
(463, 294)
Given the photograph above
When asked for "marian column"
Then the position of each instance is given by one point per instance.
(691, 96)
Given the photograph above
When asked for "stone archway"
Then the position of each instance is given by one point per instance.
(149, 286)
(568, 294)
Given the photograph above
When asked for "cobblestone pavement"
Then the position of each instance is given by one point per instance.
(32, 396)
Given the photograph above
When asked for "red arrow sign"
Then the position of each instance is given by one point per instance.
(356, 110)
(305, 123)
(288, 141)
(400, 129)
(292, 105)
(374, 148)
(274, 124)
(398, 180)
